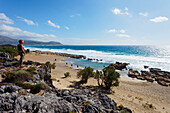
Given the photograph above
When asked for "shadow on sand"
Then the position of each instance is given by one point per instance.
(79, 85)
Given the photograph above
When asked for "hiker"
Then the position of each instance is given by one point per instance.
(21, 52)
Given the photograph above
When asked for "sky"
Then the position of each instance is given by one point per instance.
(87, 22)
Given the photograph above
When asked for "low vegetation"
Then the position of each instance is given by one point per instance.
(105, 78)
(13, 52)
(4, 84)
(34, 88)
(110, 78)
(14, 63)
(50, 66)
(85, 74)
(31, 69)
(20, 75)
(67, 74)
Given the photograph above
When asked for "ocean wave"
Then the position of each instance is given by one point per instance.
(135, 61)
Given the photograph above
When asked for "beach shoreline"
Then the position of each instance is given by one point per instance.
(132, 93)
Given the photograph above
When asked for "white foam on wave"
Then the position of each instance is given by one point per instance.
(136, 62)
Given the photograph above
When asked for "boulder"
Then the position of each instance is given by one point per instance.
(149, 78)
(118, 66)
(134, 74)
(5, 55)
(163, 83)
(146, 67)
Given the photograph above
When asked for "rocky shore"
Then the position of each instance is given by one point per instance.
(31, 90)
(155, 74)
(61, 54)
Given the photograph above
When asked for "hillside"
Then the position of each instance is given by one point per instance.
(7, 40)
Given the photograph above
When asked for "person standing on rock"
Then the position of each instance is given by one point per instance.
(21, 52)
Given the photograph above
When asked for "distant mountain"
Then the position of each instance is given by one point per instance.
(7, 40)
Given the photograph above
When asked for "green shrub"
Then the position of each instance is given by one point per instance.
(87, 104)
(31, 69)
(4, 84)
(34, 88)
(51, 66)
(14, 63)
(67, 74)
(11, 51)
(85, 74)
(53, 79)
(20, 75)
(28, 62)
(24, 85)
(99, 77)
(37, 88)
(110, 78)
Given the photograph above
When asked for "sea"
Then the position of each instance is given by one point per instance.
(136, 56)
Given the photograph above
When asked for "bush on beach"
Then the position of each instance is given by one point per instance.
(85, 74)
(67, 74)
(50, 66)
(105, 78)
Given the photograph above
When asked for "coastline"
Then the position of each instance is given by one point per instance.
(133, 93)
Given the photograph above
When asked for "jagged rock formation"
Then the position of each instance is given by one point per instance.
(155, 74)
(61, 54)
(118, 66)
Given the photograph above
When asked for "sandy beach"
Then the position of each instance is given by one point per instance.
(140, 96)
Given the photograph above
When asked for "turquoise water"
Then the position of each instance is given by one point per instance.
(137, 56)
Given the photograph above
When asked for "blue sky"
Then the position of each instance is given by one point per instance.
(87, 22)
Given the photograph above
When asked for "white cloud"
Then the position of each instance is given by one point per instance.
(122, 31)
(123, 35)
(15, 32)
(67, 28)
(29, 22)
(143, 14)
(159, 19)
(52, 24)
(117, 11)
(75, 15)
(115, 31)
(5, 20)
(112, 31)
(126, 9)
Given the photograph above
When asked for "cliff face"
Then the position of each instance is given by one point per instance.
(7, 40)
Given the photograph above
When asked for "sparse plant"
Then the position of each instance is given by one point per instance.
(15, 63)
(4, 84)
(50, 66)
(24, 85)
(31, 69)
(99, 77)
(53, 79)
(37, 88)
(107, 78)
(87, 104)
(20, 75)
(13, 52)
(67, 74)
(110, 78)
(85, 74)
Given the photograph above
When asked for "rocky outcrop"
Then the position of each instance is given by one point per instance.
(25, 96)
(61, 101)
(61, 54)
(155, 74)
(118, 66)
